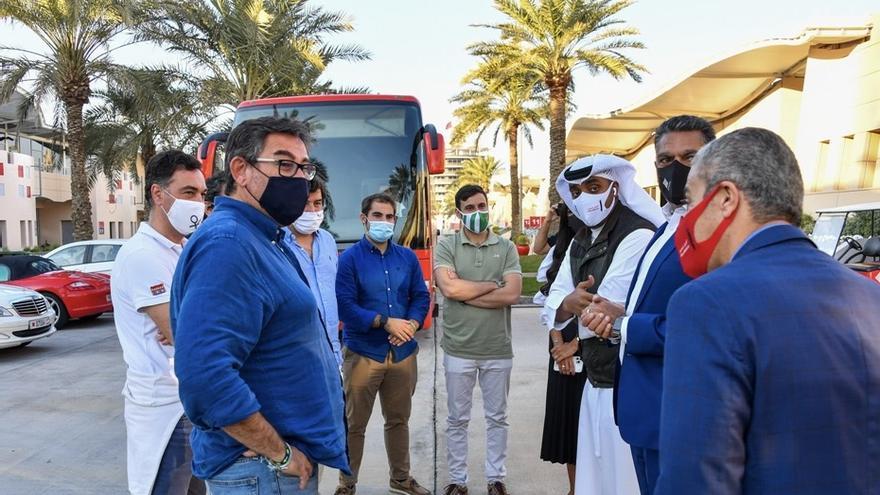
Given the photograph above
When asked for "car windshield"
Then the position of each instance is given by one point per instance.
(827, 231)
(37, 267)
(366, 147)
(19, 267)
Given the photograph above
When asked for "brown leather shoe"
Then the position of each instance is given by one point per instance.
(497, 488)
(408, 486)
(455, 490)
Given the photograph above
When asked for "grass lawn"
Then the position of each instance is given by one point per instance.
(530, 263)
(530, 286)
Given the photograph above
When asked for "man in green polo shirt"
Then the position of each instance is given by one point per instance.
(480, 277)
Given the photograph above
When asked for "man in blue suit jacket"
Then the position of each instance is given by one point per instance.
(658, 276)
(771, 380)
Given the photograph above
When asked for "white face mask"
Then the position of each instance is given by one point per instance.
(185, 215)
(309, 222)
(591, 209)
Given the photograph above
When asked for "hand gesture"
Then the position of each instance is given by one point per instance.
(566, 366)
(400, 329)
(579, 299)
(299, 465)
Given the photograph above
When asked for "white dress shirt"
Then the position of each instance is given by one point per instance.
(614, 286)
(674, 216)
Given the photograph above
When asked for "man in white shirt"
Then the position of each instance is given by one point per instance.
(642, 322)
(158, 451)
(620, 219)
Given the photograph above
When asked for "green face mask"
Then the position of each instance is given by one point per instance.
(476, 222)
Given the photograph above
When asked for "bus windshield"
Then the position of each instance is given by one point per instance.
(366, 147)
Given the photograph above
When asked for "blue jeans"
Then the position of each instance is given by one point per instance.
(175, 471)
(251, 476)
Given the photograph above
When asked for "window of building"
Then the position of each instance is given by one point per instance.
(118, 184)
(1, 169)
(872, 161)
(28, 189)
(113, 230)
(21, 171)
(112, 199)
(821, 164)
(2, 189)
(20, 191)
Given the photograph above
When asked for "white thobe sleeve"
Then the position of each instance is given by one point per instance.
(562, 287)
(615, 284)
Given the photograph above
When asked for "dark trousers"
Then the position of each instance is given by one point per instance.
(647, 462)
(175, 471)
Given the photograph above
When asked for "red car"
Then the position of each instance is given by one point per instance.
(71, 294)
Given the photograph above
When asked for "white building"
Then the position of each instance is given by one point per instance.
(35, 196)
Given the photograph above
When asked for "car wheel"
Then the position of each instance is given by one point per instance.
(58, 307)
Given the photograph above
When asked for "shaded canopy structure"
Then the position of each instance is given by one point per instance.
(721, 90)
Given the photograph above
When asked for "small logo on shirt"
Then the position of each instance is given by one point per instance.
(157, 289)
(496, 255)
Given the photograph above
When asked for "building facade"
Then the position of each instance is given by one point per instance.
(35, 194)
(820, 91)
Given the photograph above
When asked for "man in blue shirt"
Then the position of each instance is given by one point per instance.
(257, 375)
(316, 251)
(382, 302)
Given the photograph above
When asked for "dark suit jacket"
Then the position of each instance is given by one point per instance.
(640, 377)
(771, 383)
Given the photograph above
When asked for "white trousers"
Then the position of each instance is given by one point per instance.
(461, 376)
(604, 460)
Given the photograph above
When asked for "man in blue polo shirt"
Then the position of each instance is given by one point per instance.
(382, 302)
(258, 378)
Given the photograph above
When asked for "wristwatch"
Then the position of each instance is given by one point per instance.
(500, 283)
(383, 320)
(615, 330)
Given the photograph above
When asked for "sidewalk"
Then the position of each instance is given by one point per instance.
(527, 474)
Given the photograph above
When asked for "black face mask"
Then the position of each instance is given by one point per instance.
(284, 198)
(672, 179)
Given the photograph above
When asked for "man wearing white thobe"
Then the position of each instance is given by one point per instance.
(620, 219)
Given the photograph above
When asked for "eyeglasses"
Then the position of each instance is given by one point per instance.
(288, 168)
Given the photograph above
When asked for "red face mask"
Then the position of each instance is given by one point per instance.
(695, 256)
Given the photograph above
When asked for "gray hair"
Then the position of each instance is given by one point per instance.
(247, 140)
(762, 166)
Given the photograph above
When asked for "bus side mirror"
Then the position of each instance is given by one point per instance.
(211, 154)
(435, 150)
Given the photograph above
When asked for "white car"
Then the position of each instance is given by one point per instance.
(25, 316)
(87, 256)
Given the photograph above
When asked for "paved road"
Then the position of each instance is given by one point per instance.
(62, 428)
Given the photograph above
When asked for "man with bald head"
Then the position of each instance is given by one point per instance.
(772, 355)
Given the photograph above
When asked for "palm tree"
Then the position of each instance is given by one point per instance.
(75, 35)
(142, 110)
(508, 104)
(478, 170)
(553, 38)
(251, 49)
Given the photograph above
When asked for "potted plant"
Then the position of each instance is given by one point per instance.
(523, 244)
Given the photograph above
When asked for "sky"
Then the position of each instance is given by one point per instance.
(421, 50)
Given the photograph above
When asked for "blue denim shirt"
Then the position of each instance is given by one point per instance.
(248, 338)
(320, 270)
(371, 283)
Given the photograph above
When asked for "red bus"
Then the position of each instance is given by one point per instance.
(368, 144)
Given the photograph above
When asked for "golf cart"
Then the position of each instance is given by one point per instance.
(851, 234)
